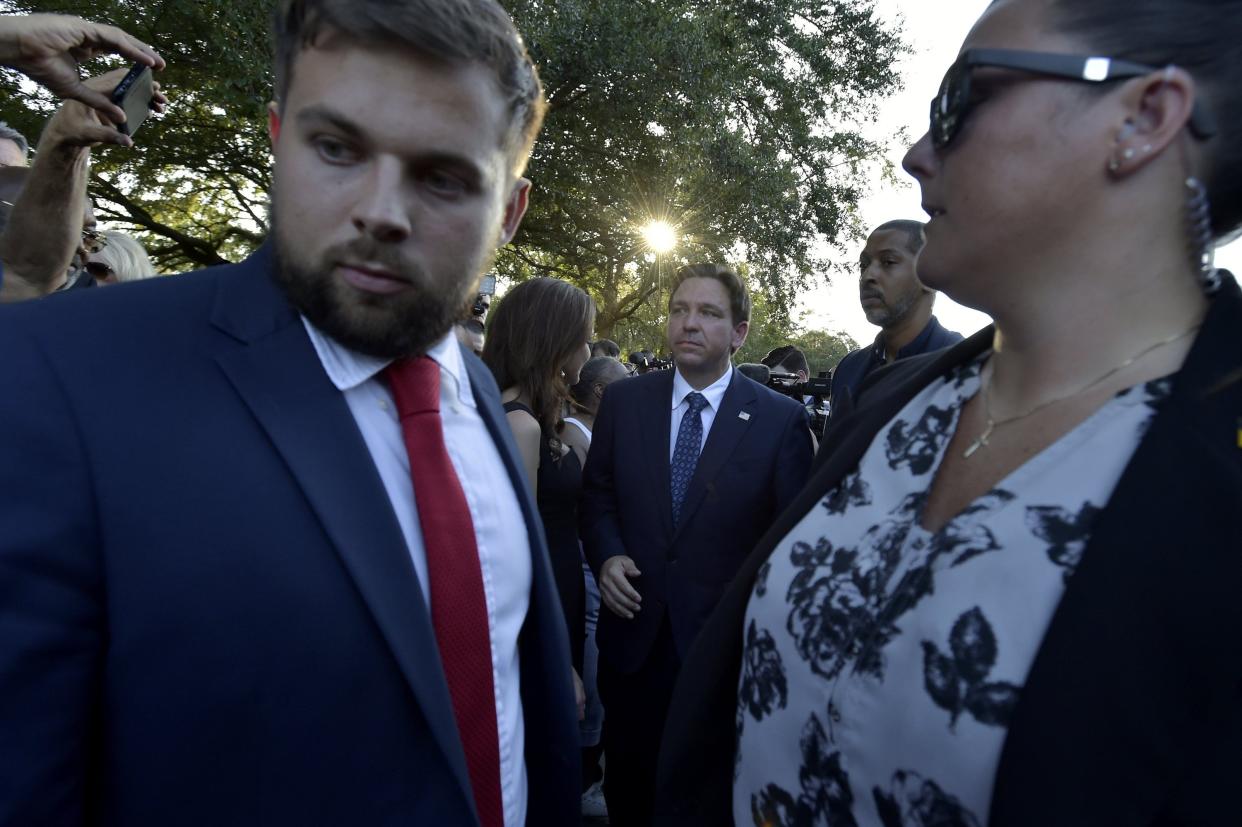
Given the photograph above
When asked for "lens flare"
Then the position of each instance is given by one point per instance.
(660, 236)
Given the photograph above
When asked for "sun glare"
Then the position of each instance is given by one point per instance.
(660, 236)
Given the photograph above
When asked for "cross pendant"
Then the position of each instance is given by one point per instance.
(978, 443)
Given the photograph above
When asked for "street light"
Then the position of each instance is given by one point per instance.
(661, 237)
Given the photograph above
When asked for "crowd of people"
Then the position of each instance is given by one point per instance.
(321, 537)
(49, 239)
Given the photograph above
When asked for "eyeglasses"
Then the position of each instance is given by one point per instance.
(98, 270)
(951, 105)
(93, 242)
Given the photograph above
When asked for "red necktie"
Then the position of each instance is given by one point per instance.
(458, 605)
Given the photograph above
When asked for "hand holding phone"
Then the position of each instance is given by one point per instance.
(135, 94)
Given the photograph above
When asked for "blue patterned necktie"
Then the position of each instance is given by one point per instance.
(686, 452)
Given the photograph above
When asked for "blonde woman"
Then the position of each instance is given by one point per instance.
(121, 258)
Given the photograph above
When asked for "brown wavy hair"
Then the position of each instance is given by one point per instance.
(535, 329)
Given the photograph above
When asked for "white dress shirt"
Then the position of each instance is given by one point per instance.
(500, 530)
(713, 393)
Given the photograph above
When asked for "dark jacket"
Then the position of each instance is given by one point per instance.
(857, 365)
(1131, 714)
(208, 612)
(756, 459)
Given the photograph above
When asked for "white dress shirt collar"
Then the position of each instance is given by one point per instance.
(348, 368)
(714, 393)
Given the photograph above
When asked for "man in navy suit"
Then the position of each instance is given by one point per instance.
(687, 469)
(266, 552)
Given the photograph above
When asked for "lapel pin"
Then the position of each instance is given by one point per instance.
(742, 415)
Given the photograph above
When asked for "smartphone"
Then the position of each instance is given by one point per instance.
(134, 94)
(487, 285)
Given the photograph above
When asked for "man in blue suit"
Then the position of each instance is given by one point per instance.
(266, 553)
(687, 469)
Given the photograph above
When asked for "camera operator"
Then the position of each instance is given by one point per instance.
(790, 361)
(644, 361)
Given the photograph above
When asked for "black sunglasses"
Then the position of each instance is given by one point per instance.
(98, 269)
(951, 105)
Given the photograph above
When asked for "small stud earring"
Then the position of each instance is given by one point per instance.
(1128, 154)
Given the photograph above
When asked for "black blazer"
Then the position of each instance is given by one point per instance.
(1131, 713)
(756, 459)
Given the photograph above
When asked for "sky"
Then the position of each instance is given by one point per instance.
(935, 31)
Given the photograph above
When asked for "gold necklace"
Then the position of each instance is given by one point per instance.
(982, 440)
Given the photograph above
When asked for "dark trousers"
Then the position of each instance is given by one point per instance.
(636, 705)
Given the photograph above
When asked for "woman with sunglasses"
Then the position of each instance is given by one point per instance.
(121, 258)
(1008, 596)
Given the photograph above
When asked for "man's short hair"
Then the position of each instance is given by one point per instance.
(606, 347)
(912, 229)
(451, 32)
(595, 369)
(739, 299)
(787, 359)
(8, 133)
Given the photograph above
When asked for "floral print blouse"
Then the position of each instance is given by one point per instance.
(881, 662)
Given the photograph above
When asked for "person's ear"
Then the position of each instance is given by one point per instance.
(739, 335)
(515, 208)
(1157, 108)
(273, 122)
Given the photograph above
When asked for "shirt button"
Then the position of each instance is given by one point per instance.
(383, 405)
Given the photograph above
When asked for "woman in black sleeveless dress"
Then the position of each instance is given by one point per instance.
(535, 347)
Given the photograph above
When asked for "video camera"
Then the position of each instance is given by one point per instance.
(817, 388)
(645, 361)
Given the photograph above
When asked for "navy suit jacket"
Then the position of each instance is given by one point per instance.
(756, 459)
(208, 614)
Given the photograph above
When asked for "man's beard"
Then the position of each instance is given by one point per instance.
(393, 326)
(887, 316)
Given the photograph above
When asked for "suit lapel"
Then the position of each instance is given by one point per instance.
(278, 375)
(657, 417)
(727, 430)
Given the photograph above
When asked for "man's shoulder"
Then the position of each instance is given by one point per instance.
(79, 312)
(766, 396)
(116, 324)
(638, 388)
(940, 337)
